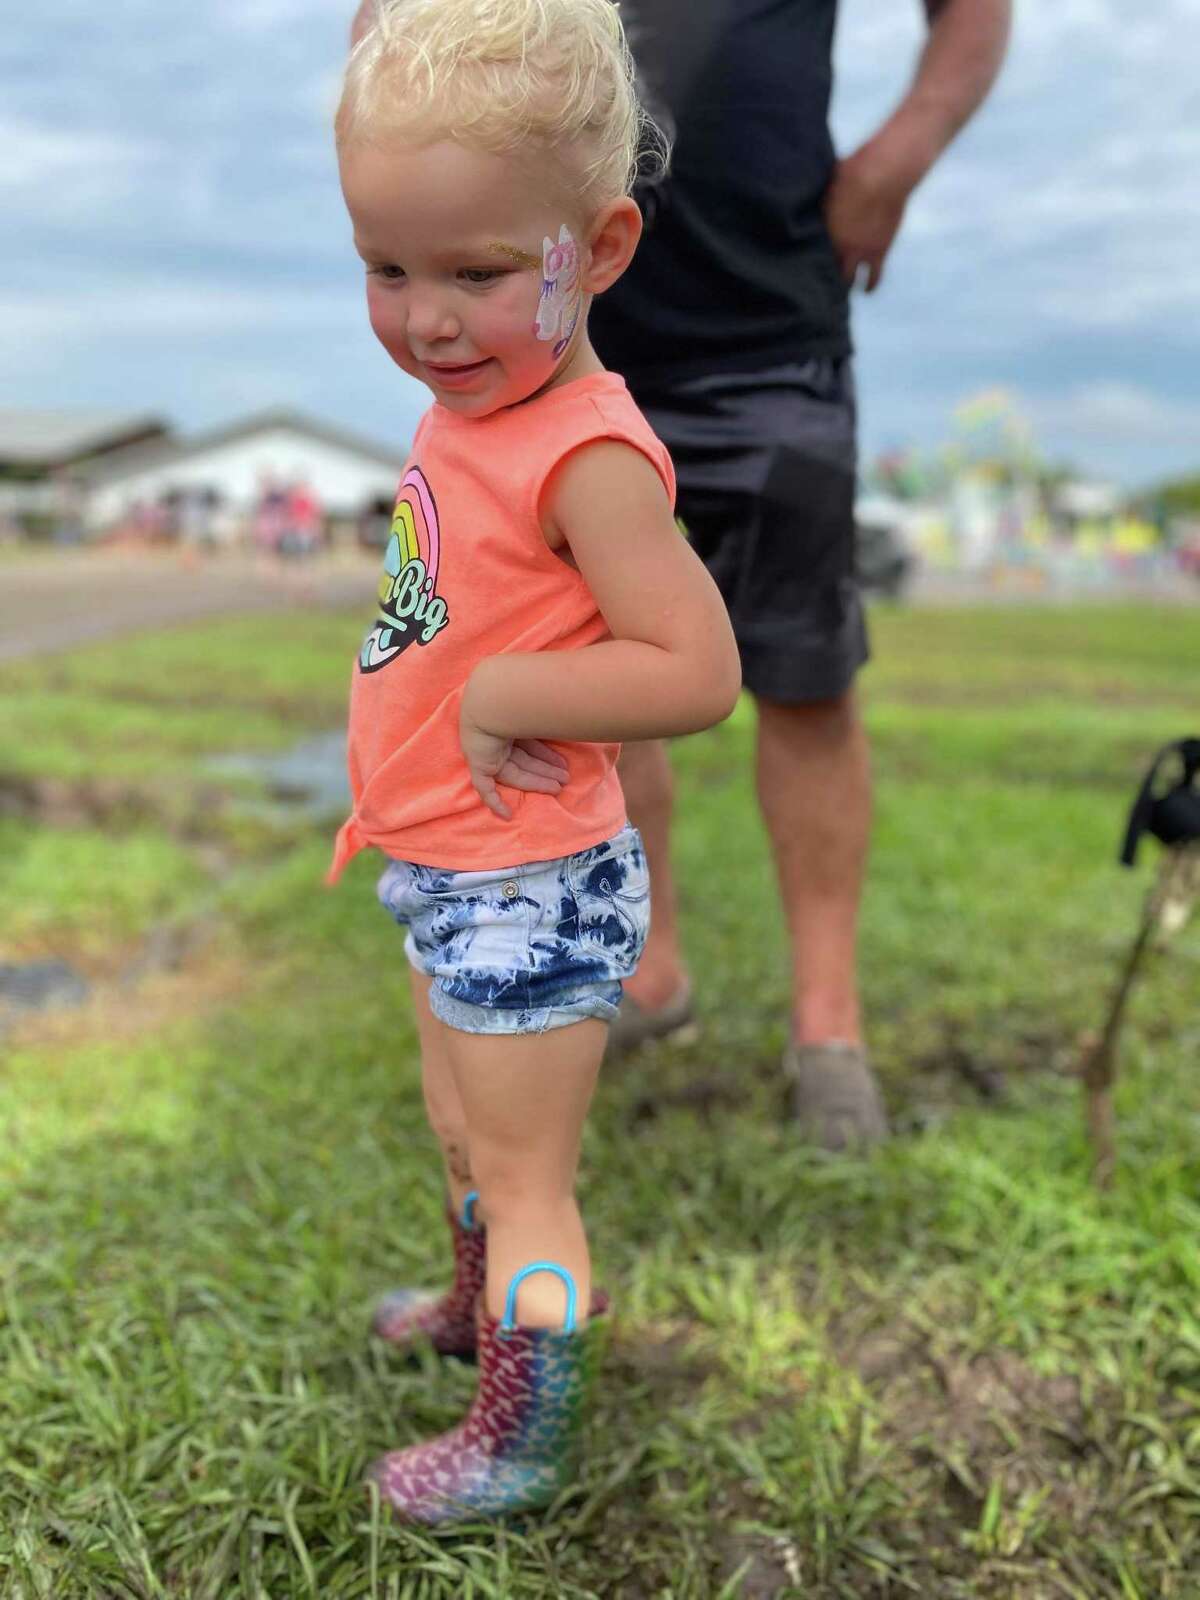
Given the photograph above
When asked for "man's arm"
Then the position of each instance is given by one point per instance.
(870, 188)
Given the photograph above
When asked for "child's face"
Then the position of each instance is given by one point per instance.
(453, 243)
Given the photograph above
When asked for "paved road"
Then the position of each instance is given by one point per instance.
(57, 600)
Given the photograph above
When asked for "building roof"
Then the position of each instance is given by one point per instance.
(50, 438)
(138, 458)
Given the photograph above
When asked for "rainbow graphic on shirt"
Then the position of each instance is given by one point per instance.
(410, 608)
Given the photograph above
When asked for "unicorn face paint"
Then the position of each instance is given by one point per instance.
(562, 297)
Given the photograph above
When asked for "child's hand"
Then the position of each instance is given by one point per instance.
(519, 763)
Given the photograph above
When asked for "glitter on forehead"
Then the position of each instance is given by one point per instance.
(521, 257)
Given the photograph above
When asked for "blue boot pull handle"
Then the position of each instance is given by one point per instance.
(468, 1211)
(509, 1321)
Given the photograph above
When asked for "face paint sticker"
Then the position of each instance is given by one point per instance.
(559, 306)
(410, 609)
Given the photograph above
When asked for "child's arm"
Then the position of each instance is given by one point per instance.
(672, 664)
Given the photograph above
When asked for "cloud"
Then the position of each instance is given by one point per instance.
(180, 309)
(174, 234)
(51, 174)
(270, 16)
(1118, 413)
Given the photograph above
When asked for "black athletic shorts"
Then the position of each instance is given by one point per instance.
(766, 466)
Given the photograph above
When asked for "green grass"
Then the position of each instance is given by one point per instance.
(952, 1369)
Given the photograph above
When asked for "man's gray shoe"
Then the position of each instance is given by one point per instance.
(835, 1098)
(634, 1026)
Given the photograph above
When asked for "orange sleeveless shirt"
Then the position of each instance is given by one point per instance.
(468, 574)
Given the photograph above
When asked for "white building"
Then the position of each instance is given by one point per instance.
(230, 468)
(40, 451)
(39, 442)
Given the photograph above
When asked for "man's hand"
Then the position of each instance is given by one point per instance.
(865, 201)
(520, 763)
(864, 207)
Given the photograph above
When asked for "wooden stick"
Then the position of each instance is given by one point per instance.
(1099, 1067)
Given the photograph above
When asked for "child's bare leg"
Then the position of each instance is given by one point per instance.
(442, 1103)
(525, 1097)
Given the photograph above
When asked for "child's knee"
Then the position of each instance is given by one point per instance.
(444, 1111)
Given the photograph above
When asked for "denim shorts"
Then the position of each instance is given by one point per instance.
(526, 948)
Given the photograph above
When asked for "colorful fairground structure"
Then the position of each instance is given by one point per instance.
(988, 507)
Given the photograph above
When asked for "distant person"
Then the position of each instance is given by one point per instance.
(731, 327)
(301, 534)
(196, 508)
(535, 587)
(270, 515)
(69, 528)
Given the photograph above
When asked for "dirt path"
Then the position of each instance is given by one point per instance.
(54, 601)
(57, 599)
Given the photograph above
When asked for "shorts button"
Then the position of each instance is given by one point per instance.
(511, 889)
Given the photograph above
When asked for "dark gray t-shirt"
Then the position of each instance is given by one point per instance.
(736, 271)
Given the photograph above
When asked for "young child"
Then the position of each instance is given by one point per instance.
(537, 606)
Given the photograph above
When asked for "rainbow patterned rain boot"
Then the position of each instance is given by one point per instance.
(447, 1320)
(516, 1449)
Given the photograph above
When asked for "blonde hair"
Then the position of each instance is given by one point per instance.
(504, 75)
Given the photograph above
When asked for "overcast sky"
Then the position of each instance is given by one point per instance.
(174, 241)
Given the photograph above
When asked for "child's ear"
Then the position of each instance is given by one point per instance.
(612, 239)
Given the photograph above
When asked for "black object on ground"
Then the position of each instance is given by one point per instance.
(39, 986)
(1172, 816)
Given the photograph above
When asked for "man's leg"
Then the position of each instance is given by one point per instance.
(814, 789)
(649, 786)
(813, 777)
(767, 474)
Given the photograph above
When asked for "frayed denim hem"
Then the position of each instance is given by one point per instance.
(468, 1018)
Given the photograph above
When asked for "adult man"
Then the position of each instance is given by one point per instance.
(732, 329)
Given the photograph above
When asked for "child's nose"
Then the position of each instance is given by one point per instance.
(430, 317)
